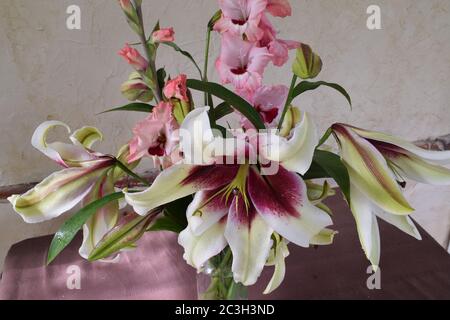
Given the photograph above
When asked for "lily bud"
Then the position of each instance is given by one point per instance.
(124, 236)
(134, 58)
(136, 89)
(292, 118)
(163, 35)
(307, 64)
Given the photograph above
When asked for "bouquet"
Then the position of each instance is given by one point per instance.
(238, 172)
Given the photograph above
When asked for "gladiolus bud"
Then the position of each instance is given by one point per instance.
(180, 97)
(136, 89)
(307, 64)
(129, 10)
(134, 58)
(163, 35)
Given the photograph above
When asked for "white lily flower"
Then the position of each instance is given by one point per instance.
(378, 164)
(87, 176)
(234, 205)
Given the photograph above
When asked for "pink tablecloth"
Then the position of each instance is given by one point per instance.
(156, 270)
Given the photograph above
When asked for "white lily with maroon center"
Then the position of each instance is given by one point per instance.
(233, 205)
(87, 176)
(378, 165)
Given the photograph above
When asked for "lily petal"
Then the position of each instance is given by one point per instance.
(56, 194)
(324, 237)
(198, 249)
(440, 157)
(250, 241)
(180, 181)
(281, 252)
(65, 154)
(295, 153)
(415, 168)
(283, 203)
(195, 135)
(404, 223)
(86, 137)
(369, 171)
(367, 225)
(207, 208)
(103, 221)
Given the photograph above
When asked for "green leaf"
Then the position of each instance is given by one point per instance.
(129, 172)
(123, 237)
(70, 228)
(308, 86)
(325, 137)
(161, 75)
(174, 217)
(184, 53)
(222, 110)
(328, 165)
(238, 103)
(139, 107)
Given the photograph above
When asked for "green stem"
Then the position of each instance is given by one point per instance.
(288, 101)
(205, 67)
(131, 173)
(156, 89)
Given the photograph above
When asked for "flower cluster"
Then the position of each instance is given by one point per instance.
(238, 207)
(248, 43)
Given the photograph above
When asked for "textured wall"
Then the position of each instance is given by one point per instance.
(398, 76)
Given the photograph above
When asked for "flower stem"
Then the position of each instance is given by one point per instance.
(131, 173)
(156, 89)
(205, 67)
(288, 101)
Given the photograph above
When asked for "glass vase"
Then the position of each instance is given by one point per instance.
(215, 281)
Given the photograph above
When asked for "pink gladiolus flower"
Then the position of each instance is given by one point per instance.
(154, 136)
(279, 49)
(164, 35)
(241, 17)
(176, 88)
(241, 63)
(279, 8)
(268, 101)
(134, 58)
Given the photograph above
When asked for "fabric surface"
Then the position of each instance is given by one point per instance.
(410, 269)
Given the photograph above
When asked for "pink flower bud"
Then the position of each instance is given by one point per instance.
(134, 58)
(176, 88)
(163, 35)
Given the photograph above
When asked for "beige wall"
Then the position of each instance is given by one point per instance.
(399, 77)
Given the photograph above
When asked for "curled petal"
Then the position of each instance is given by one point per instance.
(198, 249)
(249, 238)
(295, 153)
(65, 154)
(280, 253)
(180, 181)
(440, 157)
(56, 194)
(86, 137)
(367, 225)
(282, 201)
(370, 173)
